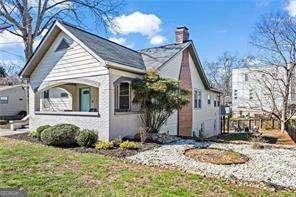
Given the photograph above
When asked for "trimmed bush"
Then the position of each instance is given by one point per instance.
(40, 129)
(128, 145)
(87, 138)
(60, 135)
(3, 122)
(104, 145)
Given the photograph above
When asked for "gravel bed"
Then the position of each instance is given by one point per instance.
(272, 166)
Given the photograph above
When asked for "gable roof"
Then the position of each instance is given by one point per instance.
(157, 56)
(101, 48)
(106, 49)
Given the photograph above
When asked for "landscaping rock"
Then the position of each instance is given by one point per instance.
(276, 166)
(159, 138)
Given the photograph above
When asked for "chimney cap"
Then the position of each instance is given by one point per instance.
(182, 27)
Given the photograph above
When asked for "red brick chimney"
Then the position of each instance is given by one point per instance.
(182, 34)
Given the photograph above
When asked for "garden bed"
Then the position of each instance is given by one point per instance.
(216, 156)
(114, 152)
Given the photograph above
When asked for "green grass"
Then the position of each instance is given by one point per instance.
(45, 170)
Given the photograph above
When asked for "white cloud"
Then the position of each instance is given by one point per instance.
(137, 22)
(8, 39)
(148, 25)
(291, 8)
(157, 40)
(120, 40)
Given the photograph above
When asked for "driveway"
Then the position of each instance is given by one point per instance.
(273, 166)
(6, 132)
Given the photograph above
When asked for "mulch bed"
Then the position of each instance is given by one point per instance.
(114, 152)
(216, 156)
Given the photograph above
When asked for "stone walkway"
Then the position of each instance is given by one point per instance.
(274, 166)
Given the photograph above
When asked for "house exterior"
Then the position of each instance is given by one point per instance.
(80, 78)
(13, 100)
(250, 95)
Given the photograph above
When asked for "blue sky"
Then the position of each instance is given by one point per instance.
(215, 25)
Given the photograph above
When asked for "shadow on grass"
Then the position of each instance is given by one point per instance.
(250, 137)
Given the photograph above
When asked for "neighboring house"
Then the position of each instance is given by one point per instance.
(250, 90)
(12, 101)
(80, 78)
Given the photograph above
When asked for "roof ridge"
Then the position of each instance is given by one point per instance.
(93, 34)
(165, 45)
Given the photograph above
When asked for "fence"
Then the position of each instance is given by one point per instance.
(230, 124)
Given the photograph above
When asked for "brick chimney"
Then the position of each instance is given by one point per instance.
(182, 34)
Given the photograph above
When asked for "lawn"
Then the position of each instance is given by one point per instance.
(47, 170)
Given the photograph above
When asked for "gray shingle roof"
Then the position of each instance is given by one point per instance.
(157, 56)
(106, 49)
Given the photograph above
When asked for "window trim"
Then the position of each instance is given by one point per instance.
(117, 98)
(195, 99)
(199, 99)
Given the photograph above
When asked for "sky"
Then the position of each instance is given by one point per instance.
(215, 26)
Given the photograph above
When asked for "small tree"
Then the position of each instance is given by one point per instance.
(2, 72)
(158, 98)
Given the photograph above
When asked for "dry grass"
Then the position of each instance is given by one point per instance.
(282, 137)
(216, 156)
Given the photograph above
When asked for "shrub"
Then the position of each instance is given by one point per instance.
(128, 145)
(3, 122)
(33, 134)
(40, 129)
(104, 145)
(87, 138)
(60, 135)
(117, 142)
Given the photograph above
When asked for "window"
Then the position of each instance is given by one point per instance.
(63, 45)
(209, 99)
(235, 94)
(246, 77)
(251, 94)
(46, 94)
(218, 100)
(195, 99)
(122, 97)
(64, 95)
(199, 99)
(3, 99)
(215, 101)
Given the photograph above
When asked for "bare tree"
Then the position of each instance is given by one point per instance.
(275, 37)
(28, 19)
(219, 73)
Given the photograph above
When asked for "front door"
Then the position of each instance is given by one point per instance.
(84, 99)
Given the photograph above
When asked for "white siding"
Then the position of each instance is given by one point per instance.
(122, 123)
(171, 70)
(208, 115)
(74, 62)
(16, 101)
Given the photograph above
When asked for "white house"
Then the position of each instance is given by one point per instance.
(254, 89)
(13, 100)
(80, 78)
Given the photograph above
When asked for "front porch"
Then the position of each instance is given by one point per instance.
(70, 101)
